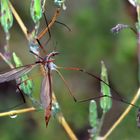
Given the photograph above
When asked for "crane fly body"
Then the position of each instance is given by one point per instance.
(46, 90)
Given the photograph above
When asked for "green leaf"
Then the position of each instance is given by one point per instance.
(105, 102)
(17, 60)
(93, 116)
(26, 84)
(6, 15)
(36, 10)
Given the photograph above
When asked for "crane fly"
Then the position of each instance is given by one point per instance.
(46, 89)
(34, 47)
(48, 65)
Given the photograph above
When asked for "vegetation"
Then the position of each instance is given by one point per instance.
(85, 41)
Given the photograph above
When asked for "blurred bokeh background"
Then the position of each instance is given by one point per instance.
(89, 42)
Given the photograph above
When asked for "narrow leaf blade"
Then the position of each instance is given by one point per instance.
(6, 15)
(93, 115)
(105, 102)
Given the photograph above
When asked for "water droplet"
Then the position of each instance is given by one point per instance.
(13, 115)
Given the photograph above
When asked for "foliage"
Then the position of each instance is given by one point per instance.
(89, 42)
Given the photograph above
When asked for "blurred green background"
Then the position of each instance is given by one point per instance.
(89, 42)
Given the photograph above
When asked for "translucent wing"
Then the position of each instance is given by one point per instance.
(15, 73)
(46, 96)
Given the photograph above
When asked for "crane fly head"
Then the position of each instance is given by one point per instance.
(50, 55)
(48, 61)
(53, 54)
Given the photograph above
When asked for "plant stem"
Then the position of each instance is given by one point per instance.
(23, 27)
(135, 98)
(15, 112)
(7, 61)
(56, 14)
(100, 125)
(67, 128)
(18, 19)
(64, 123)
(61, 120)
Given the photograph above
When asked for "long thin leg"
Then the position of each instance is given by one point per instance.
(40, 45)
(58, 22)
(103, 96)
(67, 27)
(66, 85)
(121, 99)
(50, 24)
(21, 93)
(57, 12)
(92, 75)
(46, 42)
(36, 55)
(18, 105)
(48, 28)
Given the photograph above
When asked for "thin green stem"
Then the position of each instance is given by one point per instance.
(99, 127)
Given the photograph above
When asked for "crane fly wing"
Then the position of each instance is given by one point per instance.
(15, 73)
(46, 96)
